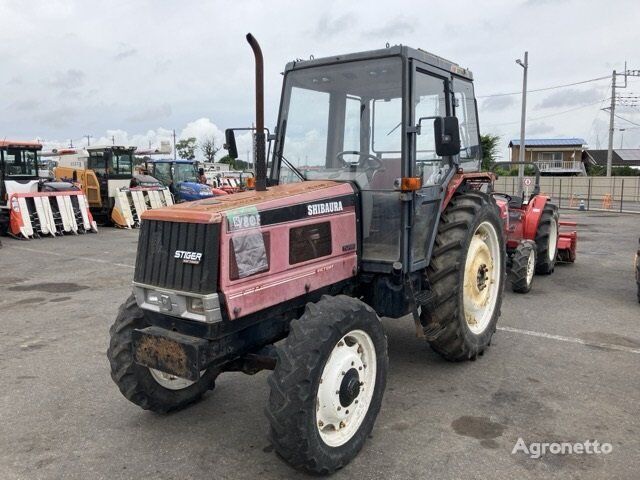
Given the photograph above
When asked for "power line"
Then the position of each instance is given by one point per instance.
(543, 89)
(626, 120)
(547, 116)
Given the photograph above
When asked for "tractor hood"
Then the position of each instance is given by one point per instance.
(212, 210)
(195, 188)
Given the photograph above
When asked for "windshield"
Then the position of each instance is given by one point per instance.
(20, 163)
(343, 122)
(122, 163)
(185, 172)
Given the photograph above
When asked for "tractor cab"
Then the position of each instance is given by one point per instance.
(398, 123)
(181, 176)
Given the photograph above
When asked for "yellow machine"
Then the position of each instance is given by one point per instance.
(114, 193)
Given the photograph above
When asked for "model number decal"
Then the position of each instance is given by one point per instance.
(322, 208)
(188, 257)
(242, 221)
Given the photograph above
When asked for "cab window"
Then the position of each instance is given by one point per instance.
(465, 110)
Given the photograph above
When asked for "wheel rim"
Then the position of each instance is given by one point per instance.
(171, 382)
(531, 267)
(482, 277)
(553, 240)
(346, 388)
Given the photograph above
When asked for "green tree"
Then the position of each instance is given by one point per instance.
(186, 148)
(228, 160)
(489, 145)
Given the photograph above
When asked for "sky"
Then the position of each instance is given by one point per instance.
(137, 69)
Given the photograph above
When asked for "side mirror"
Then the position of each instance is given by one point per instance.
(447, 135)
(230, 142)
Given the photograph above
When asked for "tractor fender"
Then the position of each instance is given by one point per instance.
(531, 219)
(461, 179)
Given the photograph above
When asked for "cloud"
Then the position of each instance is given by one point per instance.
(151, 114)
(393, 28)
(328, 26)
(540, 128)
(57, 118)
(24, 105)
(72, 78)
(125, 52)
(571, 97)
(498, 103)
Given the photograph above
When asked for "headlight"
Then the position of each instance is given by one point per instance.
(196, 305)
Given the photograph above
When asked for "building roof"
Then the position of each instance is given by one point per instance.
(549, 142)
(621, 157)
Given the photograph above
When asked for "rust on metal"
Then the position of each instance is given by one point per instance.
(164, 353)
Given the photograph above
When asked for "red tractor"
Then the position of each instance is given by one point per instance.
(374, 205)
(535, 237)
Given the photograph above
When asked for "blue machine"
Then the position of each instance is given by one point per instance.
(181, 176)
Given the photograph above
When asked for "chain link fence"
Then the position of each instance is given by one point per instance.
(609, 194)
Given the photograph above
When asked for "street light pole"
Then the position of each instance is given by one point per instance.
(525, 66)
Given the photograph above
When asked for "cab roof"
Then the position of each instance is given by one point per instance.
(20, 144)
(396, 50)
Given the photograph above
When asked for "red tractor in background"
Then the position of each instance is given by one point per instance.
(535, 237)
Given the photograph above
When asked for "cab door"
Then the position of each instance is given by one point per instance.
(430, 98)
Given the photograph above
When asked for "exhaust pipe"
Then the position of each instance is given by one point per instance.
(261, 161)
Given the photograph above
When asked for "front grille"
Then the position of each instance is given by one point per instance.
(156, 263)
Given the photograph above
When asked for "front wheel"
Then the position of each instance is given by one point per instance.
(327, 387)
(146, 387)
(523, 267)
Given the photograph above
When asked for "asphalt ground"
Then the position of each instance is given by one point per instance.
(563, 366)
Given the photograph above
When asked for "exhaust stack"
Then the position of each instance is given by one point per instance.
(261, 161)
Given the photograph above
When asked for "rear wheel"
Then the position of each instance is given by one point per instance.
(523, 267)
(466, 275)
(547, 240)
(148, 388)
(327, 387)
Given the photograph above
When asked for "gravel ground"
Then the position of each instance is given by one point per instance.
(563, 366)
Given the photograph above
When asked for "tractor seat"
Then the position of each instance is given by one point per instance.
(515, 202)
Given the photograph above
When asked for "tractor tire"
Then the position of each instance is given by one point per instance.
(148, 388)
(467, 275)
(327, 387)
(523, 266)
(547, 240)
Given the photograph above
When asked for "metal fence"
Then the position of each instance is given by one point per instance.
(612, 194)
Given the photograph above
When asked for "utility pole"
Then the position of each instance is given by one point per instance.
(88, 137)
(113, 139)
(174, 144)
(612, 114)
(523, 120)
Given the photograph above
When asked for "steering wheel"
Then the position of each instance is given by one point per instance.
(373, 162)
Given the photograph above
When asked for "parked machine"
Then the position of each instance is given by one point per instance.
(536, 238)
(31, 206)
(105, 175)
(394, 218)
(181, 177)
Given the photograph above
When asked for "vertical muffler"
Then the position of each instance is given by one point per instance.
(259, 138)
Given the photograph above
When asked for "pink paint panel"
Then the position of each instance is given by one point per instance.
(283, 281)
